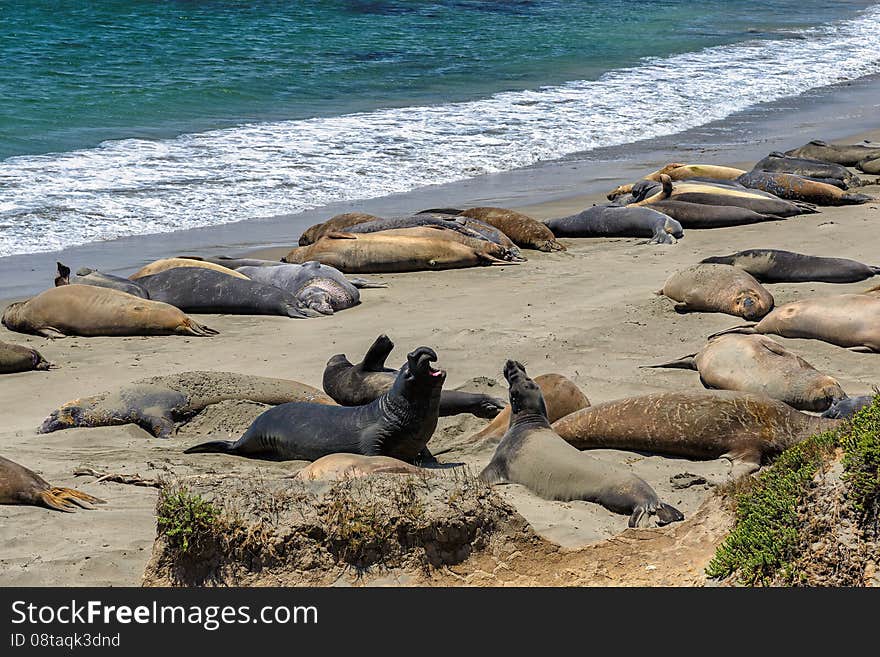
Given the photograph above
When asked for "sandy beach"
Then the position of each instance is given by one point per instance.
(589, 313)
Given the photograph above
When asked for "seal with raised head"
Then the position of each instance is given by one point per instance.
(776, 266)
(335, 224)
(355, 385)
(16, 358)
(92, 311)
(746, 429)
(718, 289)
(846, 154)
(346, 466)
(525, 231)
(160, 404)
(846, 320)
(757, 364)
(382, 253)
(18, 485)
(782, 163)
(88, 276)
(199, 290)
(532, 454)
(398, 424)
(618, 221)
(792, 187)
(158, 266)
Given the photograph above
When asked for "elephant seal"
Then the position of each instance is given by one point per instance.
(846, 154)
(486, 231)
(677, 171)
(233, 263)
(561, 397)
(760, 203)
(757, 364)
(845, 320)
(336, 224)
(345, 466)
(781, 163)
(525, 231)
(159, 404)
(321, 288)
(18, 485)
(16, 358)
(479, 244)
(165, 264)
(398, 424)
(792, 187)
(617, 221)
(381, 253)
(846, 408)
(718, 289)
(356, 385)
(775, 266)
(87, 276)
(531, 454)
(745, 428)
(699, 216)
(92, 311)
(869, 165)
(206, 291)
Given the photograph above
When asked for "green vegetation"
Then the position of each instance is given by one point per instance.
(766, 540)
(184, 518)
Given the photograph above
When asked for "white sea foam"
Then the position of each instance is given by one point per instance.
(134, 186)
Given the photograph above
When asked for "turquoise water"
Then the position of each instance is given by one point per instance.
(136, 117)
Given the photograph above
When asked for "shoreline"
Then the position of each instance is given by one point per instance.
(844, 112)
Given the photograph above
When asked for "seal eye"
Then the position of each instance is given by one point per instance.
(432, 263)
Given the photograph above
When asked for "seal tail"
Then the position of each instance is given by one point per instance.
(218, 446)
(747, 329)
(192, 327)
(67, 499)
(683, 363)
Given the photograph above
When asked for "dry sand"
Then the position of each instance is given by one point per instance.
(588, 313)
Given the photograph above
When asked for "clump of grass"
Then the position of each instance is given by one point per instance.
(861, 462)
(765, 537)
(185, 518)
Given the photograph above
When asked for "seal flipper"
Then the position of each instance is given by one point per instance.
(63, 277)
(219, 446)
(363, 283)
(493, 474)
(684, 363)
(377, 354)
(67, 499)
(746, 329)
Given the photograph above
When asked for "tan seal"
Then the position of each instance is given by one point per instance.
(718, 289)
(18, 485)
(165, 264)
(344, 466)
(17, 358)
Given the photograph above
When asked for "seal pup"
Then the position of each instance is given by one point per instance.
(345, 466)
(92, 311)
(17, 358)
(776, 266)
(398, 424)
(158, 266)
(796, 188)
(18, 485)
(718, 289)
(618, 221)
(532, 454)
(845, 320)
(88, 276)
(199, 290)
(744, 428)
(758, 364)
(355, 385)
(160, 404)
(846, 154)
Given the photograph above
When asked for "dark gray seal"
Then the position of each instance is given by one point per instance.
(846, 408)
(398, 424)
(355, 385)
(618, 221)
(846, 154)
(197, 290)
(699, 216)
(775, 266)
(532, 454)
(18, 485)
(813, 169)
(319, 287)
(88, 276)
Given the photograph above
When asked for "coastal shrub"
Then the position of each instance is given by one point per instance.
(184, 518)
(861, 462)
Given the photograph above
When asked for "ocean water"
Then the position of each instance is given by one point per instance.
(121, 118)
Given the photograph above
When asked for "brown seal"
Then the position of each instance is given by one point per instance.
(16, 358)
(718, 289)
(165, 264)
(88, 311)
(334, 225)
(343, 466)
(747, 429)
(847, 320)
(792, 187)
(382, 253)
(677, 171)
(531, 454)
(525, 231)
(18, 485)
(757, 364)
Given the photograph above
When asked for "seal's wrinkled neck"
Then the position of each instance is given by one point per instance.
(12, 315)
